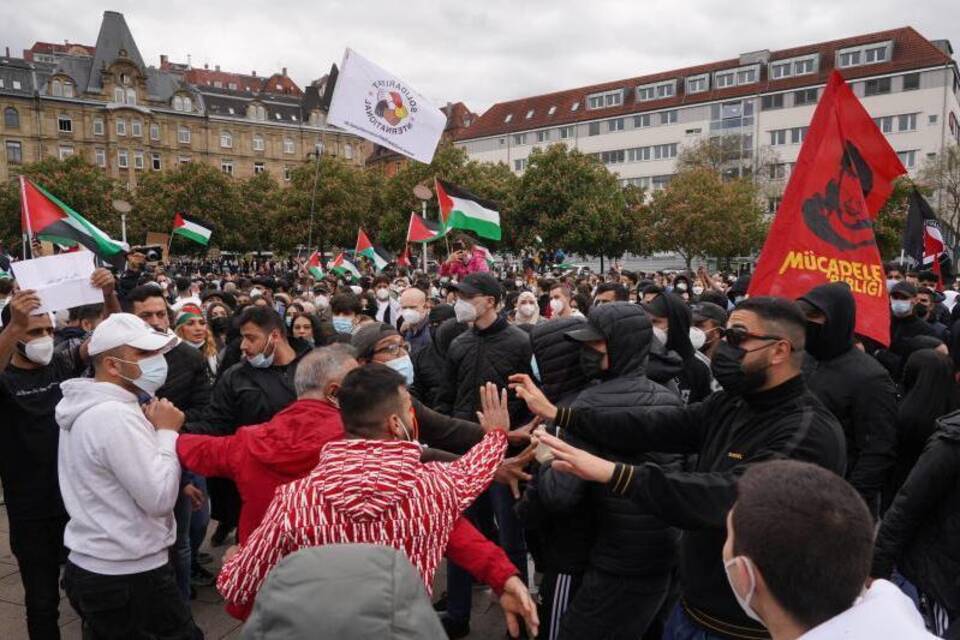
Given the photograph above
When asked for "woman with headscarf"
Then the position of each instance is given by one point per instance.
(527, 310)
(191, 327)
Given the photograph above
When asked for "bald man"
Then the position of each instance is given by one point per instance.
(413, 310)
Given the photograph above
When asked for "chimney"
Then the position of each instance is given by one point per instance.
(8, 52)
(217, 67)
(254, 73)
(163, 60)
(284, 72)
(206, 67)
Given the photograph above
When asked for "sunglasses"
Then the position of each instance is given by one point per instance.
(736, 336)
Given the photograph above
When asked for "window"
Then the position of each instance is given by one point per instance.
(232, 86)
(567, 132)
(123, 158)
(804, 96)
(520, 165)
(136, 128)
(65, 152)
(876, 86)
(131, 96)
(56, 88)
(797, 134)
(849, 58)
(574, 106)
(67, 89)
(520, 138)
(257, 112)
(875, 54)
(908, 158)
(543, 136)
(121, 127)
(508, 118)
(181, 160)
(348, 151)
(226, 140)
(138, 160)
(14, 152)
(529, 114)
(258, 168)
(698, 84)
(182, 103)
(932, 118)
(668, 117)
(804, 66)
(773, 204)
(911, 81)
(17, 85)
(747, 76)
(154, 131)
(288, 145)
(907, 122)
(778, 137)
(615, 125)
(64, 124)
(118, 95)
(885, 123)
(287, 174)
(658, 183)
(218, 84)
(781, 70)
(864, 54)
(156, 163)
(183, 134)
(258, 143)
(100, 157)
(606, 99)
(770, 102)
(657, 91)
(725, 79)
(11, 118)
(227, 167)
(613, 157)
(550, 112)
(641, 121)
(593, 129)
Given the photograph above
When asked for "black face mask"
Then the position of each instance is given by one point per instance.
(591, 362)
(219, 325)
(727, 368)
(814, 341)
(921, 310)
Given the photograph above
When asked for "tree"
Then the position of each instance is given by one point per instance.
(573, 203)
(941, 175)
(699, 215)
(888, 227)
(261, 199)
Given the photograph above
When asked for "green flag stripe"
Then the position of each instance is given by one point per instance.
(483, 228)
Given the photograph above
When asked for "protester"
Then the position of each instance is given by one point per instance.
(765, 411)
(120, 479)
(929, 309)
(81, 322)
(797, 556)
(387, 309)
(671, 319)
(429, 363)
(710, 319)
(560, 296)
(610, 292)
(414, 507)
(465, 258)
(527, 310)
(853, 386)
(31, 373)
(416, 325)
(192, 328)
(345, 308)
(905, 328)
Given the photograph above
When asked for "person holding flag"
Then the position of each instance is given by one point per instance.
(465, 258)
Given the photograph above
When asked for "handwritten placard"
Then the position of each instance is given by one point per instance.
(62, 281)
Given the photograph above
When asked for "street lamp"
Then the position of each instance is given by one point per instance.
(317, 153)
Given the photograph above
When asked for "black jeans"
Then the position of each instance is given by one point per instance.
(38, 547)
(138, 606)
(611, 607)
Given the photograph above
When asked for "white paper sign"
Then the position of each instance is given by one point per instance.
(62, 281)
(377, 105)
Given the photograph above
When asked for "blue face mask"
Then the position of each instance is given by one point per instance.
(404, 366)
(535, 368)
(262, 360)
(342, 324)
(901, 308)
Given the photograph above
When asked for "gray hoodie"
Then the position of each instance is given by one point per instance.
(119, 478)
(344, 592)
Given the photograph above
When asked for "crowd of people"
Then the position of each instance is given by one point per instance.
(615, 455)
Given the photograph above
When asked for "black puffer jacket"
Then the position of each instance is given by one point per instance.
(855, 387)
(429, 361)
(479, 356)
(903, 334)
(920, 533)
(629, 540)
(188, 380)
(559, 537)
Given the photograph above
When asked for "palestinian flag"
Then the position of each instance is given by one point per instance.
(376, 255)
(191, 229)
(421, 230)
(5, 271)
(313, 265)
(43, 215)
(343, 267)
(460, 209)
(403, 260)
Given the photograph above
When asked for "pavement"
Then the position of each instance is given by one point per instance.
(487, 621)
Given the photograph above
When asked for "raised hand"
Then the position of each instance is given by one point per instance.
(22, 305)
(569, 459)
(527, 390)
(511, 470)
(493, 412)
(102, 279)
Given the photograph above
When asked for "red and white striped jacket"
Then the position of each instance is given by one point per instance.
(366, 491)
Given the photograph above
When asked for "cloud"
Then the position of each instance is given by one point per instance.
(480, 53)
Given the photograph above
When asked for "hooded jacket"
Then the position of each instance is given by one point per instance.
(188, 380)
(119, 478)
(855, 388)
(920, 532)
(303, 597)
(883, 611)
(428, 362)
(694, 377)
(369, 491)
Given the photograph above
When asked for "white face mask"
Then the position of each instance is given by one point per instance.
(321, 301)
(743, 601)
(411, 316)
(697, 337)
(527, 309)
(383, 294)
(153, 373)
(39, 351)
(465, 311)
(557, 305)
(660, 335)
(697, 290)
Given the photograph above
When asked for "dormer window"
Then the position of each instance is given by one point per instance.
(873, 53)
(791, 67)
(605, 99)
(550, 112)
(182, 103)
(657, 90)
(257, 112)
(508, 118)
(529, 114)
(698, 84)
(736, 77)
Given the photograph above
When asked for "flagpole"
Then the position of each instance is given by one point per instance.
(423, 205)
(28, 240)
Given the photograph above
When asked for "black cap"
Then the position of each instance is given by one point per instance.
(483, 284)
(703, 311)
(367, 337)
(585, 333)
(228, 298)
(905, 288)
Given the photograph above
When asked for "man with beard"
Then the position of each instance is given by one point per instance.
(764, 412)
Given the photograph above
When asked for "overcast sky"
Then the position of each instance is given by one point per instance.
(479, 52)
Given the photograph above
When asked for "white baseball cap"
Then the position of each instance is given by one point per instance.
(121, 329)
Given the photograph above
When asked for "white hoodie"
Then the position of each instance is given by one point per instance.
(119, 478)
(883, 611)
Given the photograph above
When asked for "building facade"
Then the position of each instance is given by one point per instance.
(759, 103)
(103, 103)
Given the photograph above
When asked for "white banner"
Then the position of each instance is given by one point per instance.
(374, 104)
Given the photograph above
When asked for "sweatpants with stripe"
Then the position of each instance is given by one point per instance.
(556, 592)
(612, 607)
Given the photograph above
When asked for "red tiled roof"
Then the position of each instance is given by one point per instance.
(244, 82)
(910, 51)
(55, 48)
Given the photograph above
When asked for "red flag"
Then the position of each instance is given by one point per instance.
(421, 230)
(403, 260)
(363, 242)
(823, 230)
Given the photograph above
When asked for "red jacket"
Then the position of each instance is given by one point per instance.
(366, 491)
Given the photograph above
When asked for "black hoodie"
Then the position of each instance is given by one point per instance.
(428, 361)
(694, 378)
(855, 388)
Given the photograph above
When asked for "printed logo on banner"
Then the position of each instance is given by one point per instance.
(390, 107)
(841, 221)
